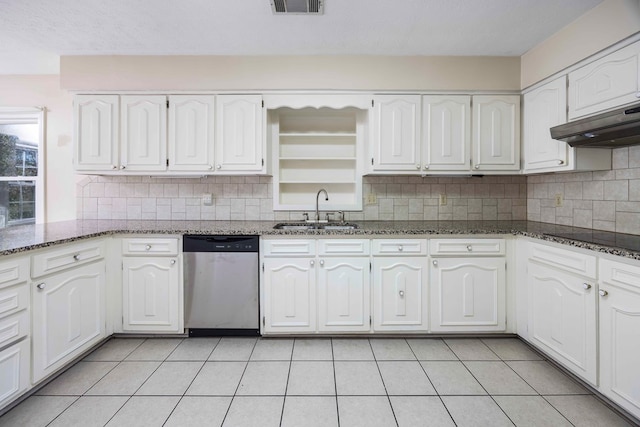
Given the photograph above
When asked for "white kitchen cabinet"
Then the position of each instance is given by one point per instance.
(144, 132)
(545, 107)
(240, 140)
(68, 316)
(151, 286)
(289, 295)
(191, 133)
(609, 82)
(343, 285)
(14, 371)
(446, 123)
(396, 133)
(496, 133)
(619, 315)
(399, 285)
(96, 132)
(562, 312)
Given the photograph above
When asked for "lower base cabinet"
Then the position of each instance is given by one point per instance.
(14, 371)
(619, 310)
(68, 316)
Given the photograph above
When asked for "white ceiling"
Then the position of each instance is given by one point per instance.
(34, 33)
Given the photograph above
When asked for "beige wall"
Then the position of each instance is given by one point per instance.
(599, 28)
(60, 180)
(85, 73)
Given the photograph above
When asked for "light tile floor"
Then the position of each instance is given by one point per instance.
(312, 382)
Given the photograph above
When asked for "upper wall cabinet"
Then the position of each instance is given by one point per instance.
(396, 133)
(96, 132)
(545, 107)
(609, 82)
(191, 132)
(496, 133)
(144, 132)
(446, 133)
(240, 135)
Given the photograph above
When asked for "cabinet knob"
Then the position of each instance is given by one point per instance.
(173, 262)
(603, 293)
(400, 248)
(76, 257)
(312, 262)
(476, 167)
(218, 166)
(426, 167)
(114, 167)
(561, 162)
(321, 262)
(637, 94)
(435, 262)
(401, 293)
(586, 286)
(41, 285)
(148, 247)
(418, 166)
(210, 167)
(122, 166)
(469, 248)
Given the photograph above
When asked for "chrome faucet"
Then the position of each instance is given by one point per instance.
(317, 197)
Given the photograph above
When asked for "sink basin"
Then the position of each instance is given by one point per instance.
(314, 226)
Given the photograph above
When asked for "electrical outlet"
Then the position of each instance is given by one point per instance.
(559, 200)
(371, 199)
(443, 199)
(207, 199)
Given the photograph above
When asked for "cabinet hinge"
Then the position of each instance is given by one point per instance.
(167, 162)
(370, 321)
(263, 103)
(167, 103)
(372, 102)
(263, 267)
(263, 321)
(262, 162)
(370, 267)
(372, 161)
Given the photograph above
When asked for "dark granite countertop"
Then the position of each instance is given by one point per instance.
(26, 237)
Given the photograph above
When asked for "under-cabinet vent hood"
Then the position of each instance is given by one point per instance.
(297, 7)
(617, 128)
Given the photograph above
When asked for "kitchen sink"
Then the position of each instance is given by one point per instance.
(315, 226)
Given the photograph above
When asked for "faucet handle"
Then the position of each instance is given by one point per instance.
(341, 215)
(305, 215)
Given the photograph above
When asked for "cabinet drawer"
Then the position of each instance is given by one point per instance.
(343, 247)
(620, 274)
(13, 299)
(13, 272)
(13, 328)
(65, 257)
(564, 259)
(289, 247)
(400, 247)
(461, 247)
(155, 246)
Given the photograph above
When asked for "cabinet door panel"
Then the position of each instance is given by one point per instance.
(447, 137)
(14, 371)
(151, 294)
(96, 132)
(343, 294)
(191, 132)
(544, 108)
(562, 318)
(144, 132)
(239, 133)
(468, 294)
(496, 132)
(68, 316)
(396, 131)
(400, 299)
(289, 295)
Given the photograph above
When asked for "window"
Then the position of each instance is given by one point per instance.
(21, 166)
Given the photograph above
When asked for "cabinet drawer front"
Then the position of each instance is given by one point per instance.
(13, 272)
(343, 247)
(65, 257)
(620, 274)
(138, 246)
(13, 328)
(563, 259)
(400, 247)
(13, 299)
(289, 247)
(466, 247)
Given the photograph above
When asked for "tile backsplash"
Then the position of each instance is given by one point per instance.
(605, 200)
(250, 198)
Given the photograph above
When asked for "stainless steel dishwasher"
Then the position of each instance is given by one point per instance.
(221, 285)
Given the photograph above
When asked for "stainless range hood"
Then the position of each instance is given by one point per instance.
(617, 128)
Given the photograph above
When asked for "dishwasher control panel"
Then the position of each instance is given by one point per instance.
(217, 243)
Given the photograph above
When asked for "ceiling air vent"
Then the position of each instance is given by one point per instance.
(297, 7)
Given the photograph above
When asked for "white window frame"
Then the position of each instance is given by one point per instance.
(18, 115)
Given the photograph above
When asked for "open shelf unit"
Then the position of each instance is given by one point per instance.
(316, 148)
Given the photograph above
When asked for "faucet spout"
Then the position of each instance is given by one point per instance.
(326, 197)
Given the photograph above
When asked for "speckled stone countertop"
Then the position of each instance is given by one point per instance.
(27, 237)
